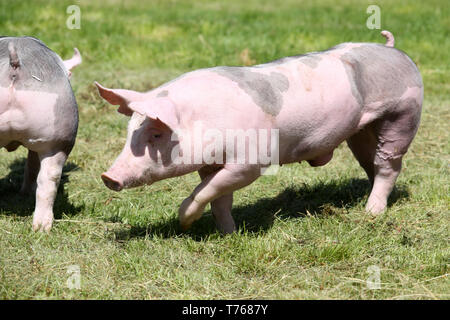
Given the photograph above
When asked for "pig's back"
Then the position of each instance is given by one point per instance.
(328, 88)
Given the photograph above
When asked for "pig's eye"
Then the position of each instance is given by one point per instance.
(154, 134)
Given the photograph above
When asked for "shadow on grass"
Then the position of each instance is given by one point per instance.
(14, 203)
(322, 199)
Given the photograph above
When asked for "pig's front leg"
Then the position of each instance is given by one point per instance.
(31, 172)
(47, 187)
(221, 207)
(214, 186)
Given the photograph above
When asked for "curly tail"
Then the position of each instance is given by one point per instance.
(389, 38)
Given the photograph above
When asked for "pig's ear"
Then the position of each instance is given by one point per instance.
(119, 97)
(162, 109)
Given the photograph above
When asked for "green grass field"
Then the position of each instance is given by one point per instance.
(302, 234)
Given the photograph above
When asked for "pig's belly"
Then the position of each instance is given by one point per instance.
(314, 138)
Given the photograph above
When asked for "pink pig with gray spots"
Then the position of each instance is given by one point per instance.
(367, 94)
(38, 110)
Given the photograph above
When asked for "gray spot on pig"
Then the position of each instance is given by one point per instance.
(37, 60)
(379, 73)
(353, 79)
(163, 93)
(265, 90)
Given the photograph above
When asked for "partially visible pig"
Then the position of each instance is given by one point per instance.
(37, 110)
(367, 94)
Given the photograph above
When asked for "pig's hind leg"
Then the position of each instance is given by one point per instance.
(216, 186)
(32, 167)
(363, 146)
(393, 134)
(51, 165)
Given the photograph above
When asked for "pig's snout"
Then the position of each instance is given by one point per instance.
(111, 183)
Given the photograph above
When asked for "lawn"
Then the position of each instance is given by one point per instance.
(302, 234)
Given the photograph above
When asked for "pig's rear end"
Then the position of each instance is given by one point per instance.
(37, 99)
(37, 110)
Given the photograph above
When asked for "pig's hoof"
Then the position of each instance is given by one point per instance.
(190, 210)
(225, 224)
(375, 208)
(42, 223)
(228, 229)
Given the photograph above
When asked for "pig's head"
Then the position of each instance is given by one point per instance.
(146, 156)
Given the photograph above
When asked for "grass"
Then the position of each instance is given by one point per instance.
(302, 234)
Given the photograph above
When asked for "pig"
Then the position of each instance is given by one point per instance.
(367, 94)
(38, 110)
